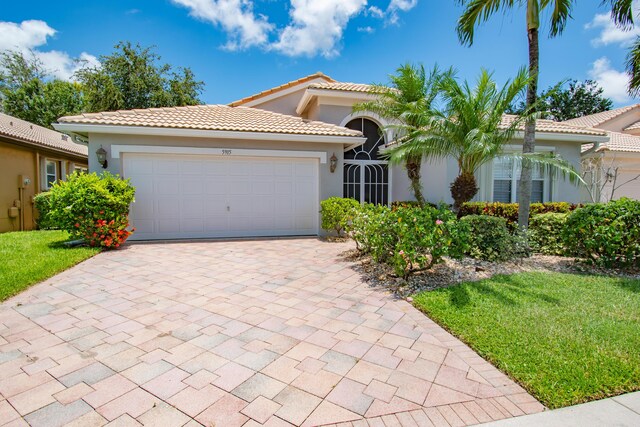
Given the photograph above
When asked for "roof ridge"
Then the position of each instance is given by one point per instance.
(605, 115)
(278, 88)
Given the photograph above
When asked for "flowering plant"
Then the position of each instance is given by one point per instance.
(107, 234)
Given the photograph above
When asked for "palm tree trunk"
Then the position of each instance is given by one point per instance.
(413, 172)
(524, 186)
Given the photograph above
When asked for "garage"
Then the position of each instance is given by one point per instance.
(216, 196)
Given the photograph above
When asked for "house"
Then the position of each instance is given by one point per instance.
(32, 158)
(260, 165)
(612, 168)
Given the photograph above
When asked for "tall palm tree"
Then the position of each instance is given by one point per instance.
(479, 11)
(407, 99)
(622, 16)
(470, 125)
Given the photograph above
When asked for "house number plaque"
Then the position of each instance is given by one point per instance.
(226, 152)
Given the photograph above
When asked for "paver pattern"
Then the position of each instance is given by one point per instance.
(268, 332)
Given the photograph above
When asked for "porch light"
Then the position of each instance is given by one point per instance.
(101, 153)
(333, 163)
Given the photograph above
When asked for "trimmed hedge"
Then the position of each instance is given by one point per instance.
(606, 234)
(545, 233)
(42, 203)
(489, 238)
(337, 213)
(509, 211)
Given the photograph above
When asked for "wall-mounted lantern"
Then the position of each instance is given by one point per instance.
(101, 153)
(333, 163)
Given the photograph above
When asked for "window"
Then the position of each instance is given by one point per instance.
(50, 173)
(80, 169)
(506, 174)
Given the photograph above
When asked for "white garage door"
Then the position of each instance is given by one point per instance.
(189, 196)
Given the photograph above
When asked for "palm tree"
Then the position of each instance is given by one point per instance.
(407, 99)
(479, 11)
(471, 126)
(622, 16)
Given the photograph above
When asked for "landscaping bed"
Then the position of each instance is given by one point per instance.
(29, 257)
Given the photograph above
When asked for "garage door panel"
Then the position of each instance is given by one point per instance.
(180, 196)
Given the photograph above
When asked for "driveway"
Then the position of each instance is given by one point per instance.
(270, 332)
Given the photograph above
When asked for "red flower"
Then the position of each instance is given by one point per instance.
(77, 225)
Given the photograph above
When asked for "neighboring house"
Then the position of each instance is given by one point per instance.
(32, 158)
(612, 168)
(261, 165)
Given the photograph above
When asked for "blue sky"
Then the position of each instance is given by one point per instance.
(239, 47)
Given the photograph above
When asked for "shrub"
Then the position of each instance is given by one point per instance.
(43, 206)
(337, 213)
(93, 207)
(545, 233)
(490, 239)
(409, 238)
(606, 234)
(509, 211)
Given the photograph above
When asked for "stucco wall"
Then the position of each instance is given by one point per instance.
(16, 161)
(437, 176)
(330, 183)
(284, 105)
(627, 182)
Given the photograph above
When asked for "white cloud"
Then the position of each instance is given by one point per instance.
(399, 5)
(236, 17)
(375, 11)
(316, 27)
(368, 30)
(613, 82)
(24, 36)
(28, 37)
(609, 32)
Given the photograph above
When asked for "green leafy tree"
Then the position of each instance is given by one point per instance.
(30, 93)
(559, 11)
(133, 77)
(469, 125)
(408, 99)
(569, 100)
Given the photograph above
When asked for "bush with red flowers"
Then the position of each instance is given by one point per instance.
(94, 208)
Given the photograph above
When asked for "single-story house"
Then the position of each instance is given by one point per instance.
(261, 165)
(32, 158)
(613, 166)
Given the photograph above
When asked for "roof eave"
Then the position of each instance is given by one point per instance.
(310, 93)
(44, 147)
(86, 129)
(569, 137)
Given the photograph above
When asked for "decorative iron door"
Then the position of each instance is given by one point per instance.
(366, 178)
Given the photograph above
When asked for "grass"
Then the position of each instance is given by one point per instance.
(30, 257)
(566, 338)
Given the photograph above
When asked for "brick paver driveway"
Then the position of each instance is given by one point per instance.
(247, 333)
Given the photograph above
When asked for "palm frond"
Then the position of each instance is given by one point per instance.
(549, 163)
(633, 68)
(475, 13)
(621, 12)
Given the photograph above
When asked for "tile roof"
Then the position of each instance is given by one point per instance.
(342, 86)
(284, 86)
(22, 130)
(213, 117)
(621, 142)
(633, 126)
(543, 125)
(594, 120)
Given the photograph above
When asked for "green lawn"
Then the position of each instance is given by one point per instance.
(29, 257)
(566, 338)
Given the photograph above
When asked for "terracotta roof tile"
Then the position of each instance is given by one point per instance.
(621, 142)
(28, 132)
(551, 126)
(342, 86)
(594, 120)
(633, 126)
(281, 87)
(213, 117)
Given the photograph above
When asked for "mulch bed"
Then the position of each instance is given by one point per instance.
(453, 271)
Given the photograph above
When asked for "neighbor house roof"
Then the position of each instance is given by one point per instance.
(214, 118)
(282, 87)
(633, 126)
(550, 126)
(594, 120)
(342, 86)
(621, 142)
(32, 134)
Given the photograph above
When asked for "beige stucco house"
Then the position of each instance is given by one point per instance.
(261, 165)
(32, 158)
(612, 168)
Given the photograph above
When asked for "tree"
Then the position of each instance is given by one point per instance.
(30, 93)
(479, 11)
(407, 99)
(132, 77)
(570, 100)
(602, 176)
(469, 125)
